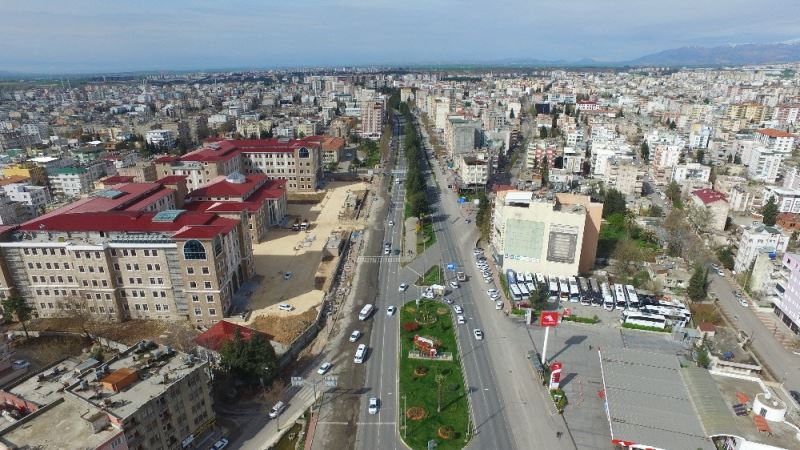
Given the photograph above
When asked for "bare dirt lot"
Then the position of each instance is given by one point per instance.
(284, 329)
(176, 334)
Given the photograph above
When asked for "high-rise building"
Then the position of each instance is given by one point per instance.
(371, 119)
(786, 302)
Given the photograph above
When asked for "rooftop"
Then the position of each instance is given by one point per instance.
(709, 196)
(772, 132)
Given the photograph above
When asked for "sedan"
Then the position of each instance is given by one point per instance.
(720, 273)
(391, 223)
(454, 284)
(460, 319)
(448, 300)
(498, 305)
(458, 309)
(354, 335)
(373, 405)
(478, 334)
(390, 310)
(324, 368)
(743, 302)
(403, 287)
(285, 307)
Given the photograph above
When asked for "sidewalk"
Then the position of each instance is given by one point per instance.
(270, 433)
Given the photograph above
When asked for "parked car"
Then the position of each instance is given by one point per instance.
(287, 275)
(324, 368)
(743, 302)
(460, 319)
(220, 444)
(20, 364)
(448, 300)
(354, 335)
(498, 305)
(458, 309)
(285, 307)
(373, 405)
(277, 410)
(454, 284)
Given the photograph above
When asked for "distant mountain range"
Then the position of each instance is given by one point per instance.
(728, 55)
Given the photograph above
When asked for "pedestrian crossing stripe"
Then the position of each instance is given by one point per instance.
(378, 259)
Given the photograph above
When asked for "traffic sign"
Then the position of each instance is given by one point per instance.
(549, 319)
(451, 267)
(461, 200)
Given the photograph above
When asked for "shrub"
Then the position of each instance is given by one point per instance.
(523, 305)
(411, 326)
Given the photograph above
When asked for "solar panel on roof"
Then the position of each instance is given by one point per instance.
(168, 215)
(110, 194)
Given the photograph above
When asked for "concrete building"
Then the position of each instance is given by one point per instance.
(791, 179)
(788, 199)
(461, 135)
(160, 138)
(625, 176)
(87, 154)
(591, 229)
(690, 172)
(31, 171)
(764, 164)
(786, 302)
(332, 148)
(474, 169)
(146, 397)
(72, 181)
(141, 171)
(34, 197)
(126, 252)
(537, 235)
(573, 160)
(716, 204)
(777, 140)
(755, 238)
(372, 119)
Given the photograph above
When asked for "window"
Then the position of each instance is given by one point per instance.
(98, 296)
(101, 269)
(166, 307)
(116, 266)
(55, 265)
(207, 284)
(113, 252)
(60, 279)
(190, 270)
(73, 292)
(158, 266)
(91, 269)
(154, 252)
(135, 267)
(149, 267)
(88, 296)
(96, 255)
(86, 283)
(210, 298)
(38, 265)
(147, 253)
(137, 307)
(105, 283)
(194, 250)
(212, 312)
(158, 307)
(205, 270)
(30, 265)
(195, 298)
(193, 284)
(152, 280)
(108, 296)
(197, 312)
(48, 266)
(145, 306)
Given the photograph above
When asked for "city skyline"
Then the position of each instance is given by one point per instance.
(85, 36)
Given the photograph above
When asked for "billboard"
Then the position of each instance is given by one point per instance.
(555, 374)
(562, 244)
(548, 319)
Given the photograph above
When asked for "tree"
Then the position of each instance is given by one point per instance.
(672, 125)
(440, 379)
(725, 256)
(539, 296)
(674, 194)
(737, 159)
(769, 212)
(542, 132)
(613, 203)
(644, 151)
(700, 156)
(511, 114)
(17, 306)
(729, 158)
(627, 254)
(545, 172)
(699, 216)
(702, 357)
(655, 211)
(698, 284)
(677, 232)
(252, 360)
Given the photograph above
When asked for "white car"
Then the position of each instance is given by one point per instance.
(277, 410)
(391, 223)
(354, 335)
(491, 291)
(478, 334)
(720, 273)
(454, 284)
(390, 310)
(743, 302)
(324, 368)
(373, 405)
(498, 305)
(458, 309)
(448, 300)
(21, 364)
(220, 444)
(460, 319)
(285, 307)
(403, 287)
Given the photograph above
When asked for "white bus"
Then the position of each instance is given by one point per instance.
(527, 277)
(540, 280)
(531, 287)
(516, 294)
(644, 319)
(366, 311)
(526, 294)
(672, 314)
(633, 299)
(619, 294)
(597, 294)
(608, 298)
(563, 284)
(586, 293)
(553, 289)
(574, 290)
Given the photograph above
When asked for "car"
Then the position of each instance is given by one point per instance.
(324, 368)
(495, 296)
(454, 284)
(448, 300)
(743, 302)
(21, 364)
(391, 223)
(737, 293)
(387, 251)
(285, 307)
(354, 336)
(277, 410)
(796, 396)
(498, 305)
(287, 275)
(220, 444)
(478, 334)
(720, 273)
(390, 310)
(403, 287)
(373, 405)
(491, 291)
(460, 319)
(458, 309)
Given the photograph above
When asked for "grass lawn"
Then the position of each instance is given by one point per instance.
(421, 391)
(426, 237)
(434, 275)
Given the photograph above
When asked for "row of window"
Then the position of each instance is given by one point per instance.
(53, 278)
(92, 309)
(146, 307)
(211, 312)
(206, 285)
(86, 255)
(141, 294)
(209, 298)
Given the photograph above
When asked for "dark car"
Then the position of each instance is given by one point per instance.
(795, 395)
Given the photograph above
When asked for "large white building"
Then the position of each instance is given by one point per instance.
(764, 164)
(777, 140)
(537, 235)
(788, 199)
(160, 138)
(755, 238)
(625, 176)
(690, 172)
(474, 170)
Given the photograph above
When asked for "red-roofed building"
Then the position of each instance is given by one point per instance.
(717, 205)
(332, 148)
(119, 257)
(298, 161)
(253, 198)
(777, 140)
(116, 179)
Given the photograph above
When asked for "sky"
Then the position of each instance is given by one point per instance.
(114, 36)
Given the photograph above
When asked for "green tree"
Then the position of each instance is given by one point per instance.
(644, 151)
(252, 360)
(769, 212)
(511, 114)
(655, 211)
(539, 296)
(700, 156)
(698, 284)
(15, 305)
(737, 159)
(545, 171)
(725, 256)
(613, 203)
(672, 125)
(674, 194)
(702, 357)
(542, 132)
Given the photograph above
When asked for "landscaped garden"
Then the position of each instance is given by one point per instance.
(433, 402)
(434, 275)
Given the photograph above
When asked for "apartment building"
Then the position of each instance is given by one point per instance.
(755, 239)
(73, 181)
(332, 148)
(461, 135)
(777, 140)
(27, 170)
(371, 119)
(160, 138)
(146, 397)
(624, 176)
(764, 164)
(141, 171)
(690, 172)
(536, 152)
(531, 234)
(474, 170)
(127, 253)
(35, 197)
(788, 199)
(717, 205)
(786, 302)
(298, 161)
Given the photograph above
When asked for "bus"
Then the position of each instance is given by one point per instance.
(574, 290)
(608, 298)
(531, 287)
(366, 311)
(674, 315)
(553, 290)
(586, 294)
(540, 280)
(516, 294)
(563, 284)
(528, 277)
(597, 295)
(644, 319)
(619, 294)
(633, 300)
(526, 294)
(511, 277)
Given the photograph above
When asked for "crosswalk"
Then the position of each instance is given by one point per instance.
(378, 259)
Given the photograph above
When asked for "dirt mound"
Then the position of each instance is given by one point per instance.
(285, 329)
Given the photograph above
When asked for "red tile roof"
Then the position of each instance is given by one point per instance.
(117, 179)
(172, 179)
(709, 195)
(221, 187)
(772, 132)
(271, 190)
(223, 331)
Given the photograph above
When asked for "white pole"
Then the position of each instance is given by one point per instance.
(544, 348)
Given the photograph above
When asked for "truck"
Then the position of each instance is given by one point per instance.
(461, 276)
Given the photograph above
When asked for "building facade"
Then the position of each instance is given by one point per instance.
(786, 302)
(755, 238)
